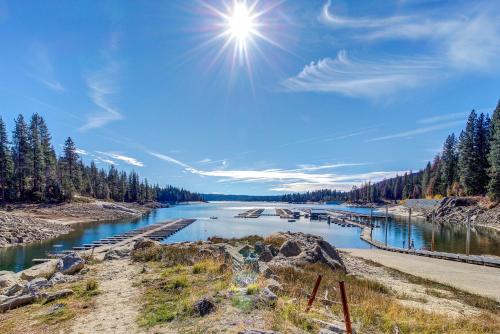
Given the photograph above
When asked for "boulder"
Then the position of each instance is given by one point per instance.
(38, 283)
(268, 296)
(8, 279)
(45, 269)
(259, 247)
(301, 248)
(117, 253)
(14, 289)
(245, 250)
(266, 255)
(143, 243)
(290, 248)
(59, 278)
(204, 306)
(273, 285)
(70, 264)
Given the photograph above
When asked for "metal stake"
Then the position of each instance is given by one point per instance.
(313, 295)
(345, 308)
(409, 229)
(467, 241)
(386, 219)
(433, 228)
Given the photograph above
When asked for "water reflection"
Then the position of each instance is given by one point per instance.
(448, 238)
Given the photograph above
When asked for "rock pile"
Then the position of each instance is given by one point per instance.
(457, 209)
(18, 230)
(26, 287)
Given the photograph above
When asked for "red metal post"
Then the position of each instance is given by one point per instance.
(315, 291)
(345, 308)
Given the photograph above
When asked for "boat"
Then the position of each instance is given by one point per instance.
(214, 217)
(291, 220)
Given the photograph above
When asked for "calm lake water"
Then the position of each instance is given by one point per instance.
(448, 238)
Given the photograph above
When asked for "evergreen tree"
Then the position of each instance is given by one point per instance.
(21, 153)
(38, 159)
(494, 155)
(467, 161)
(70, 170)
(5, 163)
(449, 164)
(482, 148)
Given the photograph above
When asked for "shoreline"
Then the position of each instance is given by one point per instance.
(24, 224)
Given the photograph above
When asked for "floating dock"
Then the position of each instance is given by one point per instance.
(252, 213)
(156, 232)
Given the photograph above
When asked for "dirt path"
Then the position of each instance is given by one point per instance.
(117, 305)
(472, 278)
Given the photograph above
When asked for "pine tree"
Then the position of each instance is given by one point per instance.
(5, 163)
(71, 177)
(52, 185)
(467, 161)
(482, 148)
(21, 153)
(449, 164)
(426, 178)
(494, 155)
(38, 158)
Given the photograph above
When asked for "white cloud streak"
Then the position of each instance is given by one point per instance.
(101, 87)
(414, 132)
(360, 77)
(128, 160)
(42, 70)
(458, 38)
(286, 180)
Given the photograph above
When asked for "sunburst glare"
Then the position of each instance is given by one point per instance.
(240, 25)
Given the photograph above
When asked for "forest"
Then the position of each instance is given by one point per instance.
(466, 166)
(30, 171)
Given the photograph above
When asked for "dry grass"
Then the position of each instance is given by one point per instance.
(249, 240)
(374, 308)
(274, 240)
(171, 292)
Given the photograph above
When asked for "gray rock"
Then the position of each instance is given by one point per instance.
(143, 243)
(266, 256)
(7, 279)
(70, 264)
(14, 289)
(259, 247)
(45, 269)
(269, 296)
(273, 285)
(245, 250)
(37, 284)
(204, 306)
(117, 254)
(59, 278)
(3, 298)
(290, 248)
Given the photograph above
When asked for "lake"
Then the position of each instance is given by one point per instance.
(448, 238)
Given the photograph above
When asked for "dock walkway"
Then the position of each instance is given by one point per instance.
(157, 232)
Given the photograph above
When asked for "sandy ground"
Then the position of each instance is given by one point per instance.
(481, 280)
(117, 306)
(401, 211)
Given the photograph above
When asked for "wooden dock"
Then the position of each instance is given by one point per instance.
(284, 213)
(473, 259)
(156, 232)
(252, 213)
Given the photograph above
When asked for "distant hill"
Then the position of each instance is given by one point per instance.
(241, 198)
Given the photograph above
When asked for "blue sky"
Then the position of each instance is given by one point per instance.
(325, 94)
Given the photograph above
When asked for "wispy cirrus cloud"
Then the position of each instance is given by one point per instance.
(418, 131)
(299, 179)
(126, 159)
(102, 86)
(452, 116)
(364, 78)
(41, 68)
(459, 37)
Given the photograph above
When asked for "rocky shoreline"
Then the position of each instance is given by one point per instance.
(27, 223)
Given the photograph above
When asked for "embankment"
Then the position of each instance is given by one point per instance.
(26, 223)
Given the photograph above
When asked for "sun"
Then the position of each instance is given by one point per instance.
(239, 29)
(241, 25)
